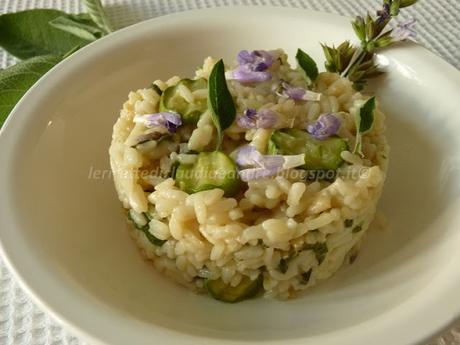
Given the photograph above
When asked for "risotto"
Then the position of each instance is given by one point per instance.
(264, 192)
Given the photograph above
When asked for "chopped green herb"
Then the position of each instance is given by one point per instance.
(157, 89)
(348, 222)
(319, 248)
(357, 228)
(283, 265)
(144, 227)
(148, 215)
(305, 277)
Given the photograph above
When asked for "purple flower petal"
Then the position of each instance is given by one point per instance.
(296, 93)
(252, 66)
(264, 118)
(257, 60)
(383, 14)
(248, 155)
(172, 121)
(267, 118)
(250, 113)
(273, 163)
(267, 57)
(326, 125)
(405, 30)
(255, 165)
(245, 57)
(245, 74)
(168, 120)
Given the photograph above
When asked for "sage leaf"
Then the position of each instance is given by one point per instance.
(307, 64)
(220, 100)
(28, 34)
(366, 115)
(17, 79)
(98, 15)
(364, 121)
(78, 25)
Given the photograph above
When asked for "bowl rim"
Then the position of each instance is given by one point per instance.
(26, 282)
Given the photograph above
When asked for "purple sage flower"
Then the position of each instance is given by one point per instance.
(167, 120)
(257, 60)
(405, 31)
(252, 67)
(253, 165)
(285, 90)
(383, 14)
(251, 118)
(245, 74)
(325, 126)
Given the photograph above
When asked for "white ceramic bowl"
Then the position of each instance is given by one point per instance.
(64, 234)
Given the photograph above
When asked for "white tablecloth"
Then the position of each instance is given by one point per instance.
(21, 322)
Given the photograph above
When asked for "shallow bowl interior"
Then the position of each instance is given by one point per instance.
(64, 234)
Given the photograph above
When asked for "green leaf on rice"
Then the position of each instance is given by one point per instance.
(366, 115)
(223, 111)
(307, 64)
(364, 121)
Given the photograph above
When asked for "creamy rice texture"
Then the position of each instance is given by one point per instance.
(290, 230)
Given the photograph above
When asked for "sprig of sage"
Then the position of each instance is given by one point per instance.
(223, 111)
(42, 38)
(357, 63)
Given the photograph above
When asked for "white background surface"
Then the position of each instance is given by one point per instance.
(21, 322)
